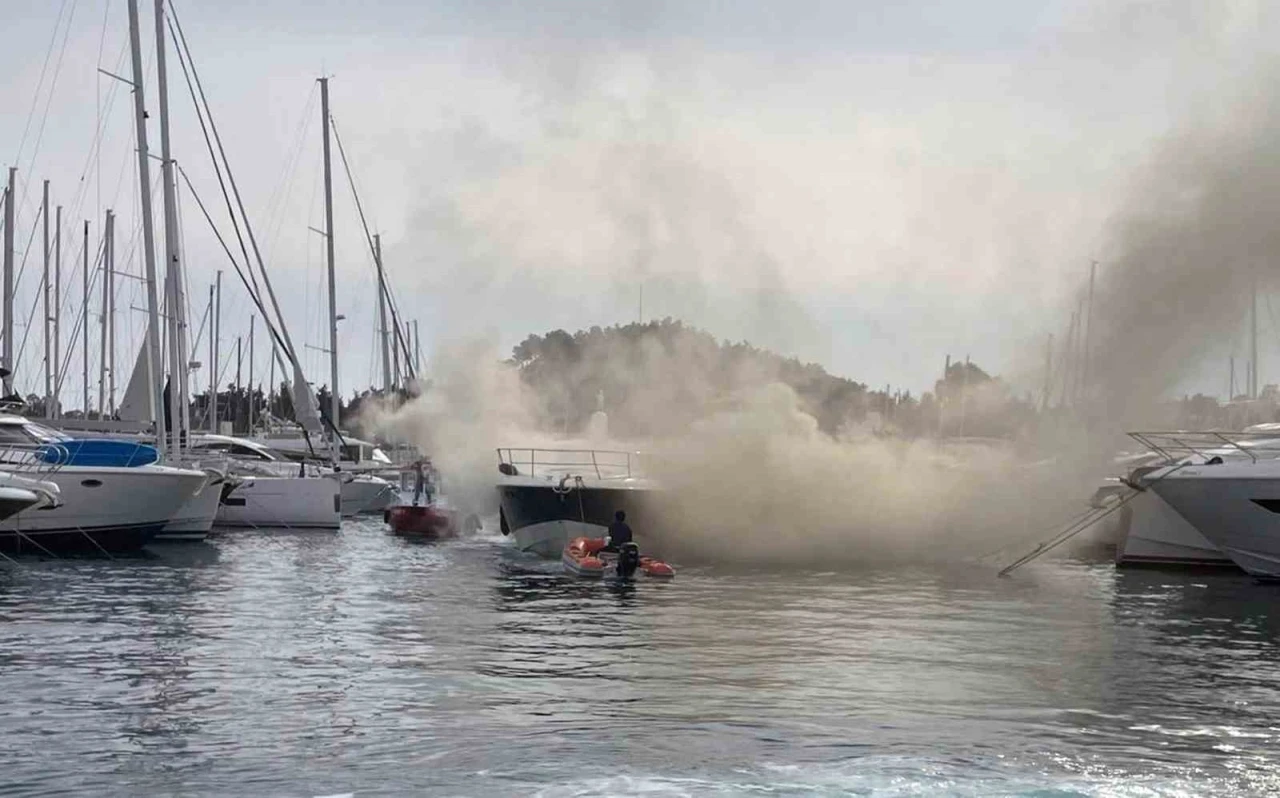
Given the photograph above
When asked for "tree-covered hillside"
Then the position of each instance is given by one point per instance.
(656, 378)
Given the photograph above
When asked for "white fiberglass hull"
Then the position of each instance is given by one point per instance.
(365, 494)
(103, 508)
(542, 516)
(1154, 533)
(23, 493)
(15, 500)
(1236, 505)
(195, 518)
(283, 503)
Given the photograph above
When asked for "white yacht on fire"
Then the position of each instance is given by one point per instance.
(548, 497)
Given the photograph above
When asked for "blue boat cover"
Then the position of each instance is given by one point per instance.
(102, 453)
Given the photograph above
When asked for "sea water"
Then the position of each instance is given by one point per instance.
(306, 664)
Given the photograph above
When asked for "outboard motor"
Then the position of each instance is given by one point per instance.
(628, 560)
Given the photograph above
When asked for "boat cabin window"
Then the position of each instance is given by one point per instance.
(233, 449)
(248, 452)
(14, 433)
(43, 434)
(211, 447)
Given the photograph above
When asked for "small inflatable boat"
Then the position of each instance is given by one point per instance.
(583, 557)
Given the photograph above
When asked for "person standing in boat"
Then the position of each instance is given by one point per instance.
(619, 532)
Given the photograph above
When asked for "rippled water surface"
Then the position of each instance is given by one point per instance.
(314, 664)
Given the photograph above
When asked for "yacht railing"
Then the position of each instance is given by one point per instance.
(604, 463)
(34, 458)
(1179, 445)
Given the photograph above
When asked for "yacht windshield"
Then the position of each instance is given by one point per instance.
(42, 434)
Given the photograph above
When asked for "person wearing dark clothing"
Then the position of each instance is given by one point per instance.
(619, 532)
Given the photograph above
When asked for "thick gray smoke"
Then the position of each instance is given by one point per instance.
(749, 477)
(631, 170)
(760, 484)
(473, 405)
(1195, 233)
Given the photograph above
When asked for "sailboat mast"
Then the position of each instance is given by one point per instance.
(102, 328)
(395, 354)
(109, 308)
(1253, 340)
(148, 228)
(333, 299)
(382, 313)
(173, 269)
(10, 199)
(417, 349)
(210, 409)
(84, 337)
(48, 348)
(57, 313)
(252, 319)
(216, 330)
(235, 406)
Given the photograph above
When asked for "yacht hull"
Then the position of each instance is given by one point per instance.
(115, 510)
(91, 540)
(543, 520)
(1235, 505)
(365, 494)
(1154, 534)
(195, 519)
(283, 503)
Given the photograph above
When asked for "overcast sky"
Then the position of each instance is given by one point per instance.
(868, 185)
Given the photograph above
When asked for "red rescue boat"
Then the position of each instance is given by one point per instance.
(421, 520)
(427, 515)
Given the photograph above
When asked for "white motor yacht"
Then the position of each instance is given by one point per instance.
(195, 520)
(1155, 531)
(19, 493)
(1234, 503)
(111, 502)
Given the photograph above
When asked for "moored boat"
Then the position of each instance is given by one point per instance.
(113, 497)
(275, 493)
(195, 519)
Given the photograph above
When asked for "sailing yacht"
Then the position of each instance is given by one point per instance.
(361, 492)
(366, 490)
(275, 492)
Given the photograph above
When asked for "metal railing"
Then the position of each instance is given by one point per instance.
(34, 458)
(1179, 445)
(604, 463)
